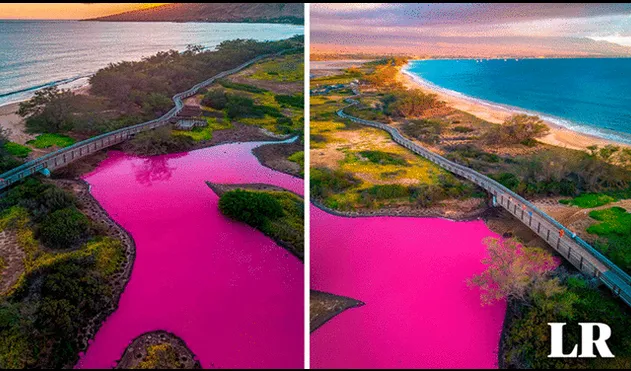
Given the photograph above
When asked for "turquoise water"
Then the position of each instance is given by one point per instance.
(592, 96)
(35, 54)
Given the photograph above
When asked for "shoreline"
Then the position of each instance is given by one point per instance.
(10, 120)
(559, 135)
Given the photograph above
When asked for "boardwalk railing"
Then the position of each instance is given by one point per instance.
(64, 156)
(578, 252)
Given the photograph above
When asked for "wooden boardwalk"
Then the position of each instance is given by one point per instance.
(67, 155)
(578, 252)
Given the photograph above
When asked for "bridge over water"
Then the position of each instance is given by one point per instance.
(67, 155)
(578, 252)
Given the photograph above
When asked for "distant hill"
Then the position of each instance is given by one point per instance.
(214, 12)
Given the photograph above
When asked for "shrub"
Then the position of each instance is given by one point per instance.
(385, 192)
(462, 129)
(253, 208)
(325, 182)
(158, 141)
(17, 150)
(297, 100)
(215, 98)
(240, 106)
(427, 131)
(244, 87)
(517, 129)
(64, 228)
(383, 158)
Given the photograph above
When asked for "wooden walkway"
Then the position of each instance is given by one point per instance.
(67, 155)
(578, 252)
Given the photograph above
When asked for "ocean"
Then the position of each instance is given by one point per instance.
(36, 54)
(588, 95)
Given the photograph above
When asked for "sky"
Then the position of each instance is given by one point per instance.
(483, 30)
(66, 10)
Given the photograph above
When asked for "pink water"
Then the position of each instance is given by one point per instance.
(232, 294)
(411, 274)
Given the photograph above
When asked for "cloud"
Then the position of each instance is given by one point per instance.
(337, 23)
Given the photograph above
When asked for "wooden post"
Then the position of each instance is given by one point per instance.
(547, 238)
(580, 265)
(538, 227)
(569, 250)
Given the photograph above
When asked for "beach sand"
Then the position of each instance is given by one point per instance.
(558, 136)
(10, 120)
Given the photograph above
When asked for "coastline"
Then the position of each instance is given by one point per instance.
(559, 136)
(10, 120)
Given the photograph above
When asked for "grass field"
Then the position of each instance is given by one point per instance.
(199, 134)
(17, 150)
(50, 140)
(286, 69)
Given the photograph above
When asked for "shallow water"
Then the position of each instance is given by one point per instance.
(411, 274)
(232, 294)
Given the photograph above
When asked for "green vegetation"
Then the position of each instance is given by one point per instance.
(244, 87)
(159, 141)
(288, 69)
(59, 293)
(160, 356)
(297, 100)
(64, 228)
(279, 215)
(215, 98)
(127, 93)
(589, 200)
(517, 129)
(427, 131)
(200, 134)
(253, 208)
(409, 103)
(17, 150)
(539, 292)
(8, 157)
(383, 158)
(614, 232)
(299, 158)
(49, 140)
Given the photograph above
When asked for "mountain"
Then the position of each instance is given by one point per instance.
(214, 12)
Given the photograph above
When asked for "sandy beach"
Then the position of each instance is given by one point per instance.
(10, 120)
(558, 136)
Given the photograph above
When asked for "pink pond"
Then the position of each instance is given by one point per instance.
(411, 273)
(232, 294)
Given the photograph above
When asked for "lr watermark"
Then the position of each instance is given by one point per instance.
(587, 341)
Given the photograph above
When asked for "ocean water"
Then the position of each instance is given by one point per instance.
(35, 54)
(411, 273)
(230, 292)
(590, 95)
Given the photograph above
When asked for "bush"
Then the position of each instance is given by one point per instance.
(64, 228)
(253, 208)
(240, 106)
(325, 182)
(517, 129)
(383, 158)
(244, 87)
(17, 150)
(157, 142)
(462, 129)
(385, 192)
(215, 98)
(297, 100)
(427, 131)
